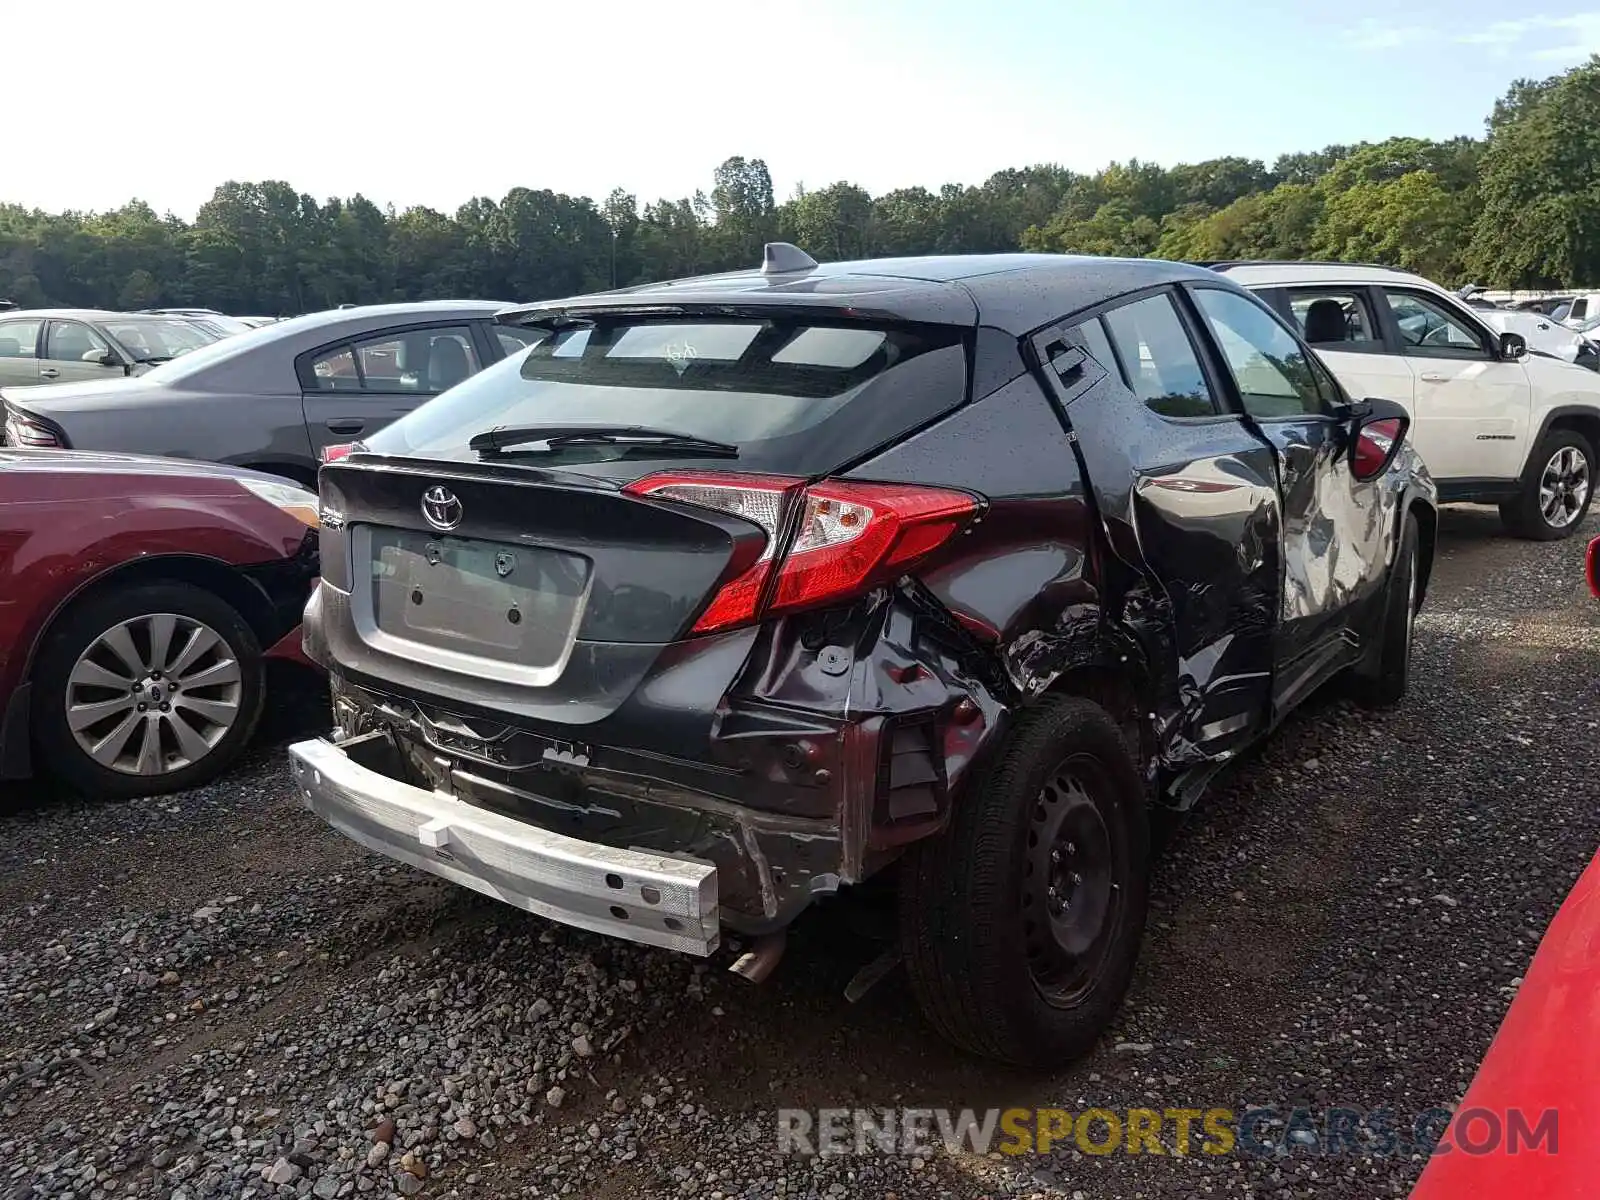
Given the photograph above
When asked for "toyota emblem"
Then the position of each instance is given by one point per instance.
(440, 507)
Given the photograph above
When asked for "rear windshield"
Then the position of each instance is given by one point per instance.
(795, 396)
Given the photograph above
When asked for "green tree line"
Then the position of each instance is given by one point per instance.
(1518, 207)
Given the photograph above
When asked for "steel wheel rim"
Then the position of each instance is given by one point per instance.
(1072, 895)
(154, 694)
(1564, 487)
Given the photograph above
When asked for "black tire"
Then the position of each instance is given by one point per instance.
(1390, 673)
(979, 966)
(73, 635)
(1524, 515)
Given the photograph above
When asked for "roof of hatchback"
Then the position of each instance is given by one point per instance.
(1013, 292)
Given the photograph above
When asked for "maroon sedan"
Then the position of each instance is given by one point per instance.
(138, 600)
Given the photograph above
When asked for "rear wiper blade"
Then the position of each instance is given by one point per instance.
(557, 437)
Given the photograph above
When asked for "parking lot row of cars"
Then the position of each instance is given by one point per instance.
(670, 611)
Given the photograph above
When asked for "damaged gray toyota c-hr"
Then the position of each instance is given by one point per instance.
(731, 592)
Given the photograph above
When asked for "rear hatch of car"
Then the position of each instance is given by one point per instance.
(620, 506)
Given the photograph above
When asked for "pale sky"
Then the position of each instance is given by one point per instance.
(413, 103)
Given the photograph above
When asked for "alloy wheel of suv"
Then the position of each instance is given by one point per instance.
(1557, 491)
(1564, 487)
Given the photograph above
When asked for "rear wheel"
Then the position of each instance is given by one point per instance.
(1557, 494)
(146, 689)
(1021, 922)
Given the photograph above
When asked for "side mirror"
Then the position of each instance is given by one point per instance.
(1513, 346)
(1377, 431)
(102, 358)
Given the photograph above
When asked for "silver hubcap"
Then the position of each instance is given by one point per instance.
(1564, 487)
(153, 695)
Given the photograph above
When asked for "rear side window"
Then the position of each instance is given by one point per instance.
(412, 360)
(1334, 319)
(1159, 359)
(19, 338)
(794, 396)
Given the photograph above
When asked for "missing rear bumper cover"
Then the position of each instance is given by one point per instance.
(643, 897)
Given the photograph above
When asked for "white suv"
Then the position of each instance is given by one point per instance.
(1494, 423)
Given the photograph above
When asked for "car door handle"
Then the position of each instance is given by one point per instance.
(346, 426)
(49, 373)
(1434, 377)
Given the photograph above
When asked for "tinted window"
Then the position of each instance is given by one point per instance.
(793, 396)
(1428, 327)
(417, 360)
(1162, 367)
(1271, 370)
(69, 341)
(335, 371)
(18, 339)
(1329, 317)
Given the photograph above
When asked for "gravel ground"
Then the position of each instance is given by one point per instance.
(214, 995)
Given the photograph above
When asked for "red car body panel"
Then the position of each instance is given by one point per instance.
(69, 519)
(1545, 1057)
(291, 647)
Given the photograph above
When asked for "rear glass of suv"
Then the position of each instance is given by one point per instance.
(796, 396)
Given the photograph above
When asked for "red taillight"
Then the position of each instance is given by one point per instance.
(1592, 567)
(851, 536)
(336, 452)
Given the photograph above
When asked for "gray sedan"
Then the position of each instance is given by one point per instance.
(272, 398)
(49, 345)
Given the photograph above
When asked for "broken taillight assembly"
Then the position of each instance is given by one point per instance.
(1592, 567)
(848, 538)
(1375, 444)
(337, 451)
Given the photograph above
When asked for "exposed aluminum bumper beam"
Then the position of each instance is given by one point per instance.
(632, 894)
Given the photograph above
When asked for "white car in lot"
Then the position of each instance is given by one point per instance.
(1543, 335)
(1583, 307)
(1494, 423)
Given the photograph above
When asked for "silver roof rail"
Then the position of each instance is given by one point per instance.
(781, 258)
